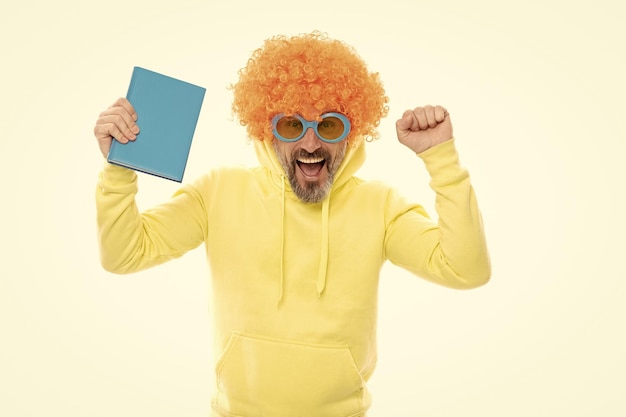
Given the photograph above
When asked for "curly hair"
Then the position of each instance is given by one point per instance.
(286, 75)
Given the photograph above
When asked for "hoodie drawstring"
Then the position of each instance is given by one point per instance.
(321, 276)
(282, 243)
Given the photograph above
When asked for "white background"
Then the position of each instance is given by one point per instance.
(535, 90)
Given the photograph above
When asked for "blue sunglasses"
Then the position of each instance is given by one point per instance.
(332, 128)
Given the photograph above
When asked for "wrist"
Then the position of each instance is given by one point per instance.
(442, 160)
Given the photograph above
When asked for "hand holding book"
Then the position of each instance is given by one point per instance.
(118, 122)
(167, 109)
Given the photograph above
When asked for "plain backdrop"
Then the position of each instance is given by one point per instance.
(535, 90)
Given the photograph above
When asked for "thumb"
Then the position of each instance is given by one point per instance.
(404, 124)
(105, 146)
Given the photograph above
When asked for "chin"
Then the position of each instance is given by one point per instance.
(311, 191)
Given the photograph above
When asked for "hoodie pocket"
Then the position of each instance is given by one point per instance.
(267, 377)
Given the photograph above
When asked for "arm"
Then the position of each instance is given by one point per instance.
(130, 240)
(453, 250)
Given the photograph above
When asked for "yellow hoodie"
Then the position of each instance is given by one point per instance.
(295, 285)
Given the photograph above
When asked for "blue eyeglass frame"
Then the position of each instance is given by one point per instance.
(307, 124)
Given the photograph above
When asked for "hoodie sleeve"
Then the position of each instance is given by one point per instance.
(451, 251)
(131, 241)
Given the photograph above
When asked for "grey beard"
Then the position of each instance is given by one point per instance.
(313, 192)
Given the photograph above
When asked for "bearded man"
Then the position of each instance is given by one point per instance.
(295, 246)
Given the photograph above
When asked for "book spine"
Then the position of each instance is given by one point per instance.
(136, 70)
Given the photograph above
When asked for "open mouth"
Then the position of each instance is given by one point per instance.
(311, 166)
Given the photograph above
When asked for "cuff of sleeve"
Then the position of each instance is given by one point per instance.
(442, 162)
(115, 177)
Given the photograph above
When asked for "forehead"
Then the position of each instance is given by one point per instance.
(309, 112)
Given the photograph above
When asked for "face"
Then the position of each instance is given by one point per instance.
(310, 165)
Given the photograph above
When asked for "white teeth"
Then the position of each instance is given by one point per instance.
(310, 160)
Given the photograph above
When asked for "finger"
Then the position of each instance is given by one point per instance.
(420, 118)
(406, 122)
(115, 126)
(129, 108)
(107, 131)
(122, 120)
(125, 104)
(429, 112)
(123, 108)
(440, 113)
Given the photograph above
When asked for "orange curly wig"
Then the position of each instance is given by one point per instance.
(289, 74)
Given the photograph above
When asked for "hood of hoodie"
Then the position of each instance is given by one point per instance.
(353, 159)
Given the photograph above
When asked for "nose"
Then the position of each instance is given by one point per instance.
(310, 142)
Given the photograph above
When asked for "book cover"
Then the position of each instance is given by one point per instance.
(167, 113)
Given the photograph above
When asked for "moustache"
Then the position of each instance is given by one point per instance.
(303, 154)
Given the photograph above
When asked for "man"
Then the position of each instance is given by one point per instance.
(295, 246)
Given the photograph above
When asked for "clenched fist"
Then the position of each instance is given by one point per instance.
(424, 127)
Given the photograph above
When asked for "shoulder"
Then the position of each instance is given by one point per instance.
(219, 178)
(368, 186)
(225, 173)
(372, 191)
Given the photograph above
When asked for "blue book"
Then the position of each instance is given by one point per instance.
(167, 114)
